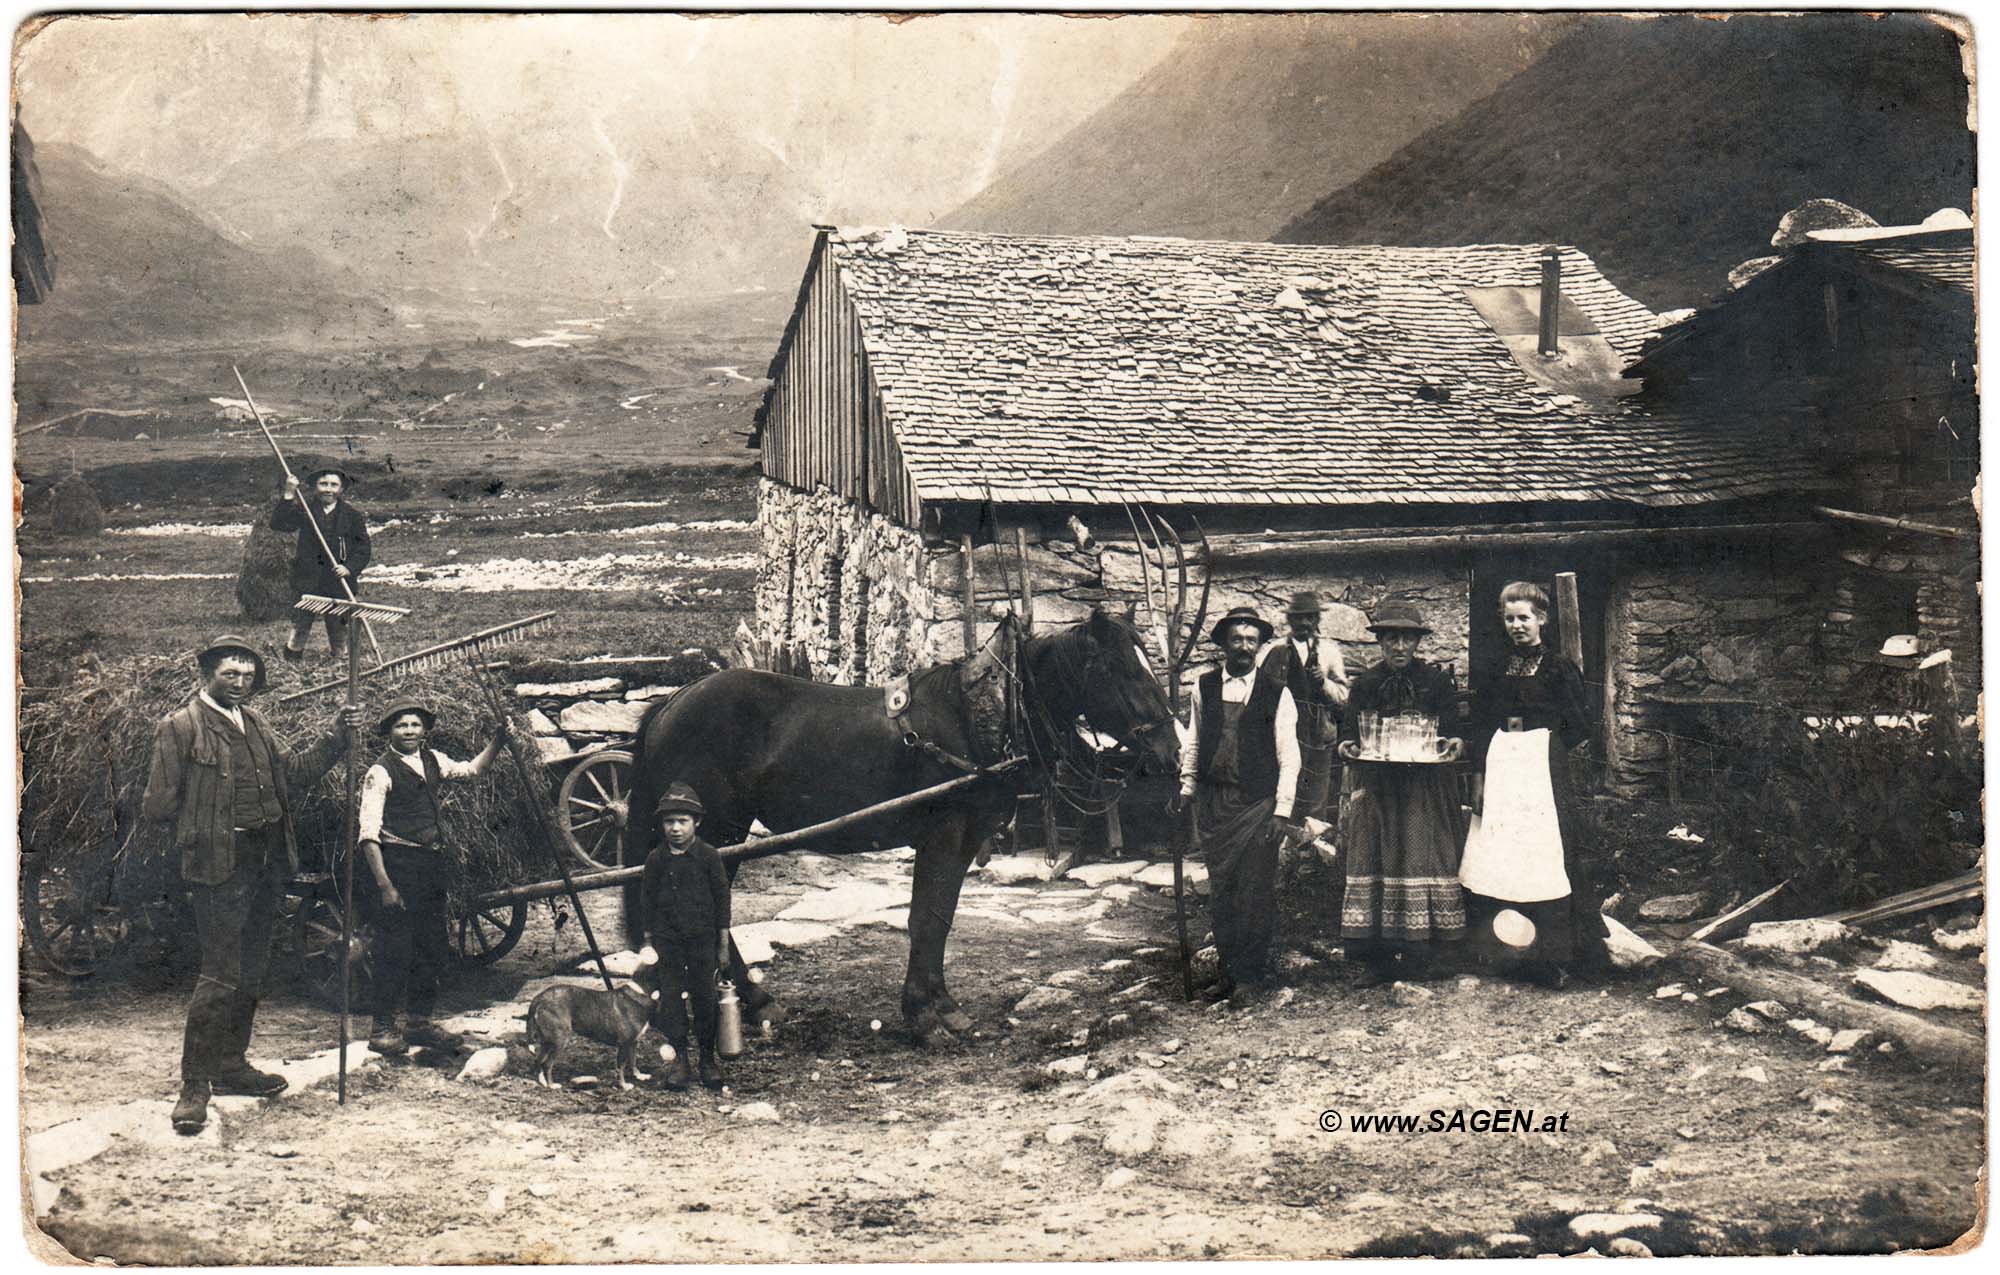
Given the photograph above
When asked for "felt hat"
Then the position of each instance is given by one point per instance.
(400, 707)
(1240, 615)
(680, 799)
(1398, 615)
(231, 644)
(346, 482)
(1305, 602)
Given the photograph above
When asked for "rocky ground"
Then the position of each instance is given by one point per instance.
(1096, 1115)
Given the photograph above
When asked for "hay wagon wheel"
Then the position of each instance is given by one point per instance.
(593, 806)
(317, 944)
(483, 935)
(67, 912)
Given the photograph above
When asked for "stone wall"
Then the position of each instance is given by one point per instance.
(842, 584)
(818, 547)
(1729, 636)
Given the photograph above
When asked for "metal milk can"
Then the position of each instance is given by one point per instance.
(729, 1022)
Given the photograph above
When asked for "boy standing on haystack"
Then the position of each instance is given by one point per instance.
(345, 532)
(402, 842)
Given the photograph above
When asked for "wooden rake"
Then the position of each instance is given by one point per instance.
(350, 609)
(435, 656)
(305, 505)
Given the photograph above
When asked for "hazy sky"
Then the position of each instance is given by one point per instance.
(181, 96)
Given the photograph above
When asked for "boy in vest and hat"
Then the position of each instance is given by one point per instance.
(223, 784)
(346, 533)
(401, 841)
(1316, 675)
(1240, 767)
(685, 899)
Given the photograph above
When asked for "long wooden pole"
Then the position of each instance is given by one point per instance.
(1893, 524)
(306, 505)
(743, 851)
(969, 588)
(347, 863)
(541, 822)
(1949, 1046)
(1569, 619)
(1332, 544)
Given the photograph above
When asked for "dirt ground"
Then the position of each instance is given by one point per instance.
(1181, 1131)
(1102, 1118)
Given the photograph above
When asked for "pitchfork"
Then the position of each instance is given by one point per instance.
(349, 609)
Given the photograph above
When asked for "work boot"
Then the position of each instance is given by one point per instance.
(386, 1040)
(678, 1076)
(191, 1111)
(711, 1070)
(422, 1031)
(293, 655)
(241, 1078)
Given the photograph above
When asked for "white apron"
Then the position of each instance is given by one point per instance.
(1515, 851)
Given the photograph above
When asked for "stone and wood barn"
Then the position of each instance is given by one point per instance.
(1365, 421)
(1857, 348)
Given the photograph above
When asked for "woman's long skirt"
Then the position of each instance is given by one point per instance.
(1402, 866)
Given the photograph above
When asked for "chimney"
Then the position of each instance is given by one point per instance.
(1552, 291)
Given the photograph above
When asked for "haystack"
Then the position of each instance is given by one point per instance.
(78, 512)
(263, 582)
(96, 738)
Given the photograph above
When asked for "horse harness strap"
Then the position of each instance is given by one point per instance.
(896, 703)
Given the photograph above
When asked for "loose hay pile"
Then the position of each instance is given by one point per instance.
(86, 752)
(264, 581)
(77, 510)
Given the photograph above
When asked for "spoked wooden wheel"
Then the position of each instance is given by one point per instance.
(67, 911)
(484, 935)
(593, 807)
(316, 935)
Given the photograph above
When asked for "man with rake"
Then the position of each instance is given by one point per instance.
(223, 784)
(401, 841)
(336, 527)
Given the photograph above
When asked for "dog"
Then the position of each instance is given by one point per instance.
(618, 1018)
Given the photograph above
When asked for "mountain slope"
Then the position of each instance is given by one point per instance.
(139, 264)
(1668, 149)
(1250, 118)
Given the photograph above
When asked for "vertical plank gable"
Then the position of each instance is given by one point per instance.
(825, 423)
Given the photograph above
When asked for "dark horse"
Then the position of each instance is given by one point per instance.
(791, 753)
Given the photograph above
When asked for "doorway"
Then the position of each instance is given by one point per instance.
(1487, 647)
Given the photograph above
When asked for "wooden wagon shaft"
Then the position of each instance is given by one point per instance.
(1930, 1042)
(744, 851)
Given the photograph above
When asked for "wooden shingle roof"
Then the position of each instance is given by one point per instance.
(1099, 370)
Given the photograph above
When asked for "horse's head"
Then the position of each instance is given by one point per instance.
(1121, 695)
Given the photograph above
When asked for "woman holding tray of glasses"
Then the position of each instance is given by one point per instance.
(1526, 902)
(1403, 896)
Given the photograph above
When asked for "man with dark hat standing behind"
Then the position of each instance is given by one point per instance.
(224, 785)
(346, 534)
(401, 840)
(685, 896)
(1316, 675)
(1240, 766)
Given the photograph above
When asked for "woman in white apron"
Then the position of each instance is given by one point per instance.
(1528, 901)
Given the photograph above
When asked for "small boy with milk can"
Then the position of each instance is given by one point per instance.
(685, 896)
